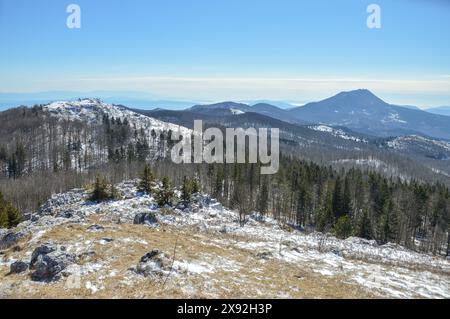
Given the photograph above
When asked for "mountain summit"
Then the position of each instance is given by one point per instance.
(363, 111)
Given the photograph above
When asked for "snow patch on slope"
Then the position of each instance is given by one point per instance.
(337, 133)
(92, 111)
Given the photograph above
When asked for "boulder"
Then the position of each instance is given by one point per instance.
(145, 218)
(95, 228)
(18, 267)
(154, 264)
(48, 267)
(44, 249)
(224, 229)
(65, 214)
(264, 254)
(48, 260)
(26, 216)
(212, 213)
(217, 206)
(337, 252)
(361, 241)
(10, 238)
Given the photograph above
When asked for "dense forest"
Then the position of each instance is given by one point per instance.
(346, 203)
(42, 156)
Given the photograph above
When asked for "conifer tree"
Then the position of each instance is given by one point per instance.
(364, 228)
(100, 191)
(9, 215)
(196, 185)
(165, 194)
(325, 218)
(3, 218)
(186, 190)
(147, 180)
(113, 193)
(13, 215)
(338, 202)
(346, 198)
(343, 227)
(263, 198)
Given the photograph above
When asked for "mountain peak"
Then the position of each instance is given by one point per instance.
(222, 107)
(359, 93)
(360, 97)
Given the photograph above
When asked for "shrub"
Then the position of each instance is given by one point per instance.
(343, 227)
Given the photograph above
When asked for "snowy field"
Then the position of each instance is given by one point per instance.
(201, 251)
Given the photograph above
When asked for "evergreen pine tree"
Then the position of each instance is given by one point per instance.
(165, 194)
(343, 227)
(196, 185)
(218, 185)
(9, 215)
(364, 228)
(113, 193)
(263, 198)
(100, 191)
(346, 199)
(186, 190)
(13, 215)
(338, 202)
(147, 180)
(325, 218)
(3, 218)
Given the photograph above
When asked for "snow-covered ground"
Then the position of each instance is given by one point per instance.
(210, 254)
(91, 111)
(337, 133)
(402, 142)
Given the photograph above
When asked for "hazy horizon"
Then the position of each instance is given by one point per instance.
(280, 51)
(143, 100)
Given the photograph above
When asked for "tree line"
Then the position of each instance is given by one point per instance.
(40, 156)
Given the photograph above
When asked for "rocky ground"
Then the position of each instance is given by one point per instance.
(131, 248)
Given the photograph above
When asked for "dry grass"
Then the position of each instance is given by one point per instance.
(249, 277)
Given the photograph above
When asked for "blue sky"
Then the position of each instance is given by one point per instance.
(211, 50)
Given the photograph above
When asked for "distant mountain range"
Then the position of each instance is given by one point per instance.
(362, 111)
(227, 108)
(135, 99)
(409, 156)
(358, 110)
(442, 110)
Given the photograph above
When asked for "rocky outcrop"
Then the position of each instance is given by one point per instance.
(53, 205)
(145, 218)
(95, 228)
(154, 264)
(10, 238)
(18, 267)
(47, 262)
